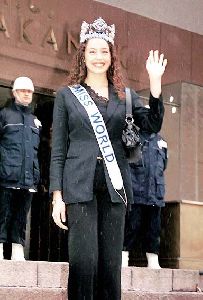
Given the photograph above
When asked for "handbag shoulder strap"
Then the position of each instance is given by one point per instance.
(128, 102)
(101, 135)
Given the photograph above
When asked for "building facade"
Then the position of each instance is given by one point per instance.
(39, 38)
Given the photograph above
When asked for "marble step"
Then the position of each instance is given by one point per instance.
(25, 293)
(48, 280)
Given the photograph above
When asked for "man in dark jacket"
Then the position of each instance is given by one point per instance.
(19, 169)
(148, 196)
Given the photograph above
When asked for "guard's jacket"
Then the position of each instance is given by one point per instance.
(148, 173)
(19, 141)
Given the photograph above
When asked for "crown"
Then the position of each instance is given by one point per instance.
(98, 29)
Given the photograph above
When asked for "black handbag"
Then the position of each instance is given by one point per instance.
(130, 136)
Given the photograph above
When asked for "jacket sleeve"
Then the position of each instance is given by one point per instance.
(59, 142)
(148, 119)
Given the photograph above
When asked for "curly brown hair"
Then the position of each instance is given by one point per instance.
(78, 71)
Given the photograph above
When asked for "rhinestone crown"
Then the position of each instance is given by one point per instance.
(98, 29)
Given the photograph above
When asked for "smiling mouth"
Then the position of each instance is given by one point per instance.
(99, 64)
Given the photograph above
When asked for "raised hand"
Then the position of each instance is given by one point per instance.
(155, 64)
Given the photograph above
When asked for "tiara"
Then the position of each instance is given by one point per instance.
(98, 29)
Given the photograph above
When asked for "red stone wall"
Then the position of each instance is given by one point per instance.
(35, 39)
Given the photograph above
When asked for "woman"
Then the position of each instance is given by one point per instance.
(89, 174)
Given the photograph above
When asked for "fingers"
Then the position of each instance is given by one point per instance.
(59, 223)
(161, 59)
(63, 216)
(155, 58)
(165, 62)
(62, 226)
(150, 57)
(59, 214)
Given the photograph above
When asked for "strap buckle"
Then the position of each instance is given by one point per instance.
(99, 158)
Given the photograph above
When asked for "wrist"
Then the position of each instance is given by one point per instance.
(55, 200)
(155, 88)
(56, 195)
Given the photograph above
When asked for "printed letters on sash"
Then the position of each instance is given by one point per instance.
(102, 137)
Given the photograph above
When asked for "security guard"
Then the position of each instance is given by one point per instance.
(148, 196)
(19, 169)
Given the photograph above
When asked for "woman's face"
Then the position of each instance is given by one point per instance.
(97, 56)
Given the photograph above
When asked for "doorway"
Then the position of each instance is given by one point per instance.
(44, 240)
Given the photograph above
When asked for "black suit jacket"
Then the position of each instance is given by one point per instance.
(75, 149)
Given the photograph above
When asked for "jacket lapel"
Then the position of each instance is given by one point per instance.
(113, 103)
(111, 108)
(82, 113)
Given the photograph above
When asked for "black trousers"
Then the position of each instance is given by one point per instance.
(143, 224)
(96, 230)
(14, 207)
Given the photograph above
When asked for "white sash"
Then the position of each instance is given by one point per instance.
(102, 137)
